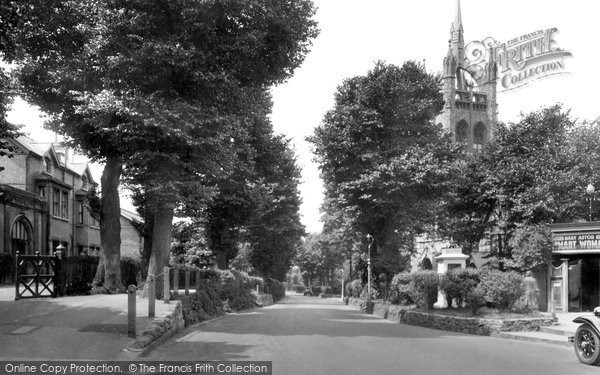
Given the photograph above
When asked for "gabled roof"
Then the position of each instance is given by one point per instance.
(51, 149)
(131, 216)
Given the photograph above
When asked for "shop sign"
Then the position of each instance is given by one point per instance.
(572, 242)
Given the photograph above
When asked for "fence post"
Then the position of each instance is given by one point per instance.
(187, 281)
(17, 280)
(167, 290)
(131, 311)
(176, 282)
(197, 280)
(151, 296)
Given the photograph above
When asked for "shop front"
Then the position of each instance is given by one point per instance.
(575, 272)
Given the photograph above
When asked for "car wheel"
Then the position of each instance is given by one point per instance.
(587, 345)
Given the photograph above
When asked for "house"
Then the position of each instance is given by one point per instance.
(132, 240)
(42, 201)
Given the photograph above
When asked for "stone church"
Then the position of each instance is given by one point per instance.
(470, 110)
(470, 114)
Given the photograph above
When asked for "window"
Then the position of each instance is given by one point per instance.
(56, 202)
(20, 236)
(80, 212)
(42, 191)
(479, 136)
(84, 182)
(60, 203)
(47, 165)
(94, 222)
(64, 211)
(462, 131)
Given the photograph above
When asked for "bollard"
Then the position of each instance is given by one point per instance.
(176, 282)
(151, 296)
(197, 280)
(166, 289)
(131, 311)
(187, 281)
(257, 292)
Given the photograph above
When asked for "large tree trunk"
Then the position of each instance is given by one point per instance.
(161, 244)
(108, 275)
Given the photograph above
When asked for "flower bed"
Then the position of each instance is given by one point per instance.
(488, 324)
(474, 325)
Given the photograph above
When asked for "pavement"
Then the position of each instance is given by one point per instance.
(80, 327)
(556, 334)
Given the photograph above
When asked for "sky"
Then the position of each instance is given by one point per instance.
(357, 33)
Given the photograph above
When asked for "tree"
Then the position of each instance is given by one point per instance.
(383, 161)
(154, 83)
(535, 172)
(275, 230)
(531, 247)
(10, 18)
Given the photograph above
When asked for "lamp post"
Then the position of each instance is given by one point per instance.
(370, 239)
(342, 284)
(590, 190)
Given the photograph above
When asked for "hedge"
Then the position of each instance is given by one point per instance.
(468, 287)
(275, 288)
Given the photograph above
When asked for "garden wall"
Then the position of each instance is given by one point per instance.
(407, 314)
(473, 325)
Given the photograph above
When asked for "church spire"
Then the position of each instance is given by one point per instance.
(457, 24)
(456, 36)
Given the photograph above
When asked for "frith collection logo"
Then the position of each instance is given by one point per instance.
(519, 61)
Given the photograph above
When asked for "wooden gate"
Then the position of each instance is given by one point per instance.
(36, 276)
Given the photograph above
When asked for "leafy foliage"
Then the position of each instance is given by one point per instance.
(500, 289)
(531, 247)
(458, 284)
(383, 161)
(423, 288)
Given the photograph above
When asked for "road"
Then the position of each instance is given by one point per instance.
(310, 335)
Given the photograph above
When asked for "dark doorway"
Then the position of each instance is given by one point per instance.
(584, 284)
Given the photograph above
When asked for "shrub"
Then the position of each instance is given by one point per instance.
(458, 283)
(275, 288)
(501, 289)
(131, 271)
(236, 290)
(354, 288)
(76, 274)
(399, 288)
(204, 304)
(423, 288)
(475, 299)
(7, 268)
(298, 288)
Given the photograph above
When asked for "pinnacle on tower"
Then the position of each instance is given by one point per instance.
(457, 24)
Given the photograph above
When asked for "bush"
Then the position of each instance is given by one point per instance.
(354, 288)
(236, 290)
(423, 288)
(458, 283)
(399, 288)
(501, 289)
(76, 274)
(275, 288)
(475, 299)
(204, 304)
(131, 271)
(7, 268)
(298, 288)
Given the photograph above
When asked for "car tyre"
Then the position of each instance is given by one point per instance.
(587, 345)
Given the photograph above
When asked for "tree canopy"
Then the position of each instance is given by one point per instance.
(383, 160)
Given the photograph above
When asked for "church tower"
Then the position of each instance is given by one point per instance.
(470, 109)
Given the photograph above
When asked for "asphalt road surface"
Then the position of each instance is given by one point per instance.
(310, 335)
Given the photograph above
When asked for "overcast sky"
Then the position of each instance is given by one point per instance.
(356, 33)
